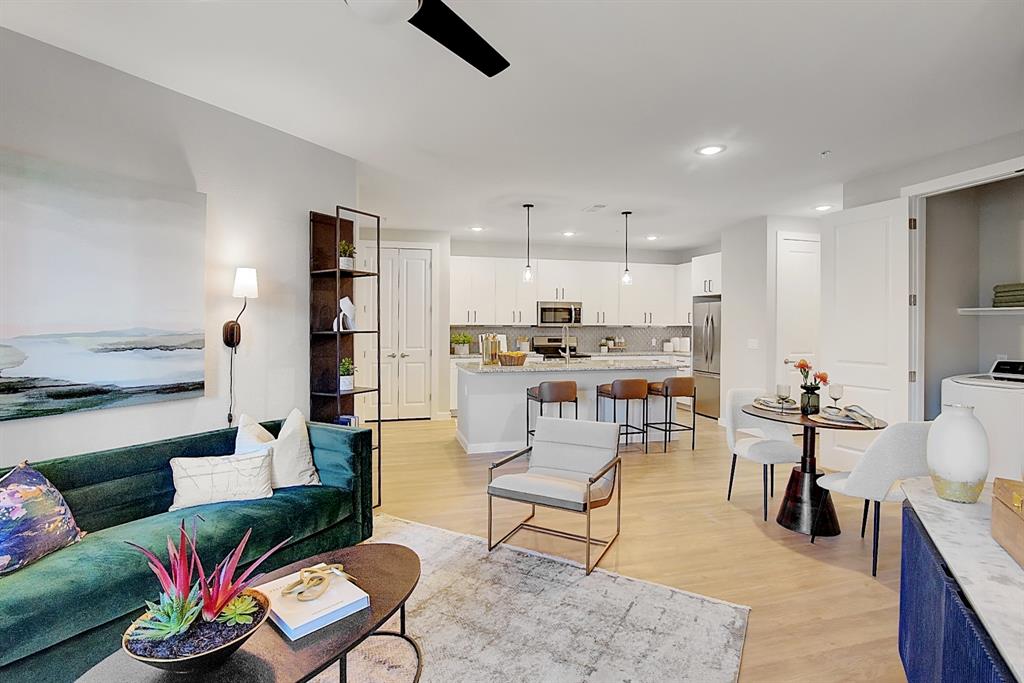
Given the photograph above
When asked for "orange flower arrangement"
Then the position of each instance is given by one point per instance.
(819, 378)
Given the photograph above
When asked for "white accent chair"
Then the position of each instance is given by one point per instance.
(898, 453)
(772, 446)
(574, 466)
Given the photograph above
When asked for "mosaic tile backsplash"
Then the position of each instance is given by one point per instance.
(637, 339)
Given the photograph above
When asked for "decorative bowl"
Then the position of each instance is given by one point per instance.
(512, 358)
(203, 661)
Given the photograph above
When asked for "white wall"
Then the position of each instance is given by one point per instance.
(886, 184)
(1001, 252)
(575, 252)
(951, 281)
(260, 185)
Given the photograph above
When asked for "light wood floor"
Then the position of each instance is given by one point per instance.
(817, 614)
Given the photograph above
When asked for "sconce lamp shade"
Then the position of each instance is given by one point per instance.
(245, 284)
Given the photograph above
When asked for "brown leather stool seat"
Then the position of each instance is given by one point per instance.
(624, 390)
(562, 391)
(675, 387)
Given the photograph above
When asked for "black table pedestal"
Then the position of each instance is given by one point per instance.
(804, 496)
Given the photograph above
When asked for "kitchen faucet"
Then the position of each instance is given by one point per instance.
(565, 336)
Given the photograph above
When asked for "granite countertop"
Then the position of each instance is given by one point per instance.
(598, 354)
(583, 365)
(992, 581)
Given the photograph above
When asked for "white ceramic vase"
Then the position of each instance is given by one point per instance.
(346, 382)
(958, 454)
(346, 263)
(461, 349)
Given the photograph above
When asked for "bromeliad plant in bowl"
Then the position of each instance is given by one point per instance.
(196, 626)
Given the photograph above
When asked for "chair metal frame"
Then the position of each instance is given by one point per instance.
(540, 413)
(588, 508)
(670, 427)
(626, 429)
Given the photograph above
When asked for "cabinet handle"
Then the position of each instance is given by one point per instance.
(689, 318)
(652, 318)
(467, 315)
(474, 316)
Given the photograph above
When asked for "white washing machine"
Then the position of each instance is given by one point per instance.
(998, 400)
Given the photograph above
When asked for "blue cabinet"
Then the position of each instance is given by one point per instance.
(941, 639)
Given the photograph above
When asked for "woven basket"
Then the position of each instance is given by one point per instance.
(510, 359)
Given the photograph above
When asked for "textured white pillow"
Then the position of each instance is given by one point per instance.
(244, 476)
(292, 464)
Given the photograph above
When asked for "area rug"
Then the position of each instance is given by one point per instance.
(515, 615)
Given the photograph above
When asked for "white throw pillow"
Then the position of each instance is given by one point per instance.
(293, 458)
(244, 476)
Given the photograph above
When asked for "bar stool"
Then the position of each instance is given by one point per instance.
(560, 392)
(624, 390)
(671, 388)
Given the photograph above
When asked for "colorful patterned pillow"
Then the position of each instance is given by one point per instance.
(34, 519)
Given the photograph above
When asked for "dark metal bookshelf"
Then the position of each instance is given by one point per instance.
(328, 284)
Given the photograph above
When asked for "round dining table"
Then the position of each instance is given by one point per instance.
(803, 495)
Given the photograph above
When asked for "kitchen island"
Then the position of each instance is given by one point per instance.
(492, 398)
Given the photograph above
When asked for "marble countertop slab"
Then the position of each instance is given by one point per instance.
(583, 365)
(992, 581)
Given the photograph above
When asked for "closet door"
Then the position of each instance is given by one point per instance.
(389, 331)
(414, 348)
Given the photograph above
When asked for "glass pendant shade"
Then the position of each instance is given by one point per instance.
(627, 279)
(527, 274)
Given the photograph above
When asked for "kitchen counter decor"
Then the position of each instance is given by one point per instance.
(512, 358)
(195, 627)
(958, 454)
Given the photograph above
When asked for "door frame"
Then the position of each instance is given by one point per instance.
(436, 341)
(917, 195)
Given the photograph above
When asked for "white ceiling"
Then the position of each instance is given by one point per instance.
(604, 102)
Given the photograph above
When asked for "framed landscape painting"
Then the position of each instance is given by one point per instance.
(101, 290)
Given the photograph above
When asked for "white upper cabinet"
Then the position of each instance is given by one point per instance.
(650, 300)
(706, 275)
(515, 301)
(473, 291)
(600, 292)
(560, 280)
(684, 298)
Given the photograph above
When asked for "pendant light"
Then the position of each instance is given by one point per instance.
(627, 279)
(527, 273)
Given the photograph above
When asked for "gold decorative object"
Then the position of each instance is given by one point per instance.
(313, 581)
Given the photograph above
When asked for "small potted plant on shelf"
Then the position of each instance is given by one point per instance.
(461, 342)
(346, 375)
(346, 255)
(810, 402)
(195, 627)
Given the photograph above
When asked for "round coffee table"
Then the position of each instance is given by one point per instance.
(803, 495)
(387, 572)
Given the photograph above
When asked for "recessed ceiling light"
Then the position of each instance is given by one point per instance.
(568, 233)
(651, 238)
(477, 228)
(710, 150)
(823, 207)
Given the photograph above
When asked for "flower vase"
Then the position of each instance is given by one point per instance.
(810, 402)
(958, 454)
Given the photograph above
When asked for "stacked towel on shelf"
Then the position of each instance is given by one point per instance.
(1009, 295)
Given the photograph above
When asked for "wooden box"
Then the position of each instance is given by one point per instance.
(1008, 517)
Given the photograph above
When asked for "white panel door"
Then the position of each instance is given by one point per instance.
(797, 304)
(388, 274)
(365, 294)
(865, 317)
(414, 347)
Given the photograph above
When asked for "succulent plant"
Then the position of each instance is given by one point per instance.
(171, 617)
(238, 611)
(221, 587)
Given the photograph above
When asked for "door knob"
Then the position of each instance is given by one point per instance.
(392, 355)
(789, 361)
(403, 355)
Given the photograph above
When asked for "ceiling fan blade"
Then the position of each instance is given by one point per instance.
(442, 24)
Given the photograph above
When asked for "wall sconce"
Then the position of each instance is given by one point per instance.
(245, 289)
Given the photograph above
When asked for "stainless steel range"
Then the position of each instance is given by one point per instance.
(551, 348)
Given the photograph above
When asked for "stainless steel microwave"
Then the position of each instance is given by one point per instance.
(558, 313)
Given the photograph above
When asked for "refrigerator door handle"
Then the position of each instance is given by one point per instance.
(712, 345)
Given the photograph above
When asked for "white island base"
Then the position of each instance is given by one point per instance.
(492, 399)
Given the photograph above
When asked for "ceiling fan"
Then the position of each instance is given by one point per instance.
(438, 21)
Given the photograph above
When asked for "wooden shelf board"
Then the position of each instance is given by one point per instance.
(353, 392)
(1010, 310)
(344, 272)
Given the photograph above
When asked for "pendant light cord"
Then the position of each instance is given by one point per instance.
(626, 215)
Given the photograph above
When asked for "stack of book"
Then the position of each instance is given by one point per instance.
(297, 618)
(1010, 295)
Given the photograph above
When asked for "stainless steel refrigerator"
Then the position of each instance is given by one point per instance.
(707, 344)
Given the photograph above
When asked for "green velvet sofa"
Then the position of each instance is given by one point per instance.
(66, 612)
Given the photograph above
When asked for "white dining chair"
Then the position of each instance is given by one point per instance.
(772, 445)
(898, 453)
